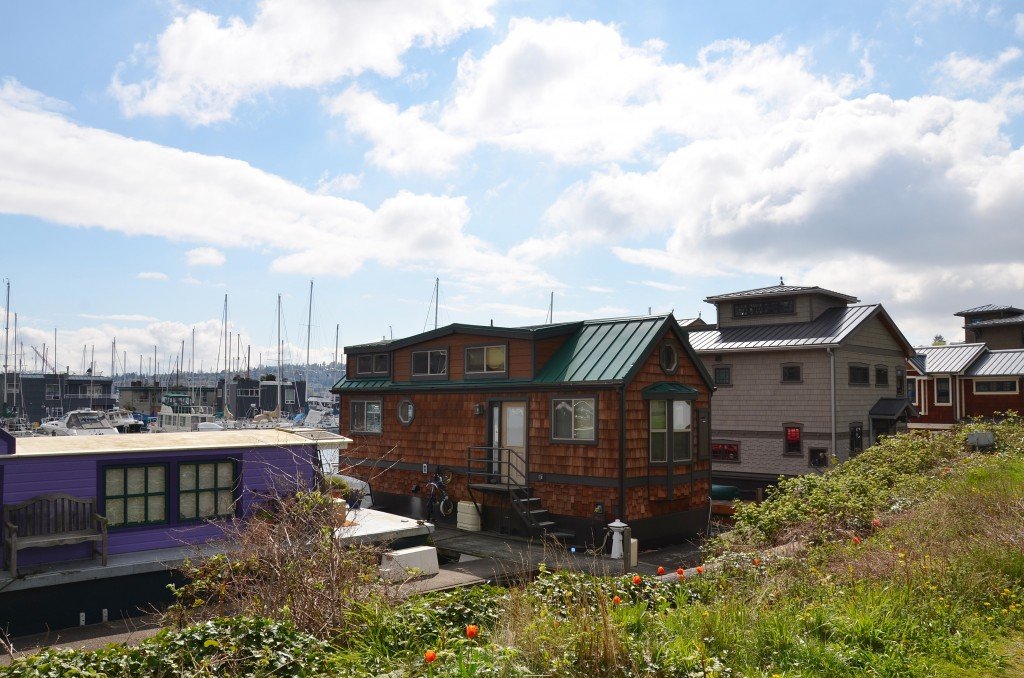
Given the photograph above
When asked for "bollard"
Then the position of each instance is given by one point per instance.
(627, 538)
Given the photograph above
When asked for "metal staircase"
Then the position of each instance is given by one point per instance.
(493, 470)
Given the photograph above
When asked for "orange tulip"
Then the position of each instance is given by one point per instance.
(681, 573)
(876, 523)
(637, 579)
(856, 540)
(616, 600)
(661, 570)
(757, 562)
(700, 569)
(429, 656)
(472, 631)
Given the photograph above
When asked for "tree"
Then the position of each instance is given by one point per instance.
(939, 340)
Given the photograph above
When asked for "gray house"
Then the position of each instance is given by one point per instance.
(803, 374)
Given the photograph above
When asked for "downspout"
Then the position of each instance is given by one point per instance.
(622, 453)
(832, 395)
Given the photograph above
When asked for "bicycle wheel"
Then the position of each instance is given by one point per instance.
(446, 476)
(446, 507)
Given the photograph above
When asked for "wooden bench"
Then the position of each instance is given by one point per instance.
(52, 520)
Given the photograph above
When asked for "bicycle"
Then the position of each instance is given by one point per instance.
(438, 494)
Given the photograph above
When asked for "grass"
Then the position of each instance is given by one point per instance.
(912, 565)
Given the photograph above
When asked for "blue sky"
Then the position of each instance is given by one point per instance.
(625, 155)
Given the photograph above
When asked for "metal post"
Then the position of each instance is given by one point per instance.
(627, 549)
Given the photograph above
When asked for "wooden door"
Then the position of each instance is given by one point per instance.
(513, 437)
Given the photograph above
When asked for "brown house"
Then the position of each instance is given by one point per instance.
(555, 428)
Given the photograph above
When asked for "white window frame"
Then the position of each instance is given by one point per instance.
(975, 382)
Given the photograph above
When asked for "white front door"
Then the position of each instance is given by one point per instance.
(513, 437)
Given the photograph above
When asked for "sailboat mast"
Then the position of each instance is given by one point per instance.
(309, 328)
(437, 298)
(337, 332)
(224, 393)
(92, 370)
(7, 315)
(279, 357)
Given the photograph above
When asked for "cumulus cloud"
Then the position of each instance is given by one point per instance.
(204, 65)
(122, 317)
(151, 275)
(204, 256)
(959, 73)
(404, 142)
(70, 174)
(581, 94)
(749, 162)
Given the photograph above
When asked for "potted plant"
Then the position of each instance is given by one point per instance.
(336, 486)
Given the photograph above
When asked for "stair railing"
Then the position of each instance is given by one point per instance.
(496, 468)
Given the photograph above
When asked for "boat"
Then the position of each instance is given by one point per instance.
(178, 413)
(124, 421)
(78, 423)
(321, 413)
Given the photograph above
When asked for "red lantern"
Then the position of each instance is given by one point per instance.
(792, 434)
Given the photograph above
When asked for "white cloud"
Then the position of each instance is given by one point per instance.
(664, 287)
(74, 175)
(151, 275)
(580, 93)
(338, 185)
(204, 65)
(404, 142)
(959, 73)
(204, 256)
(597, 289)
(122, 317)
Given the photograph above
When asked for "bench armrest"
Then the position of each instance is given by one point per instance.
(101, 520)
(10, 528)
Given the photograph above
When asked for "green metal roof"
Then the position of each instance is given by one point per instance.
(601, 351)
(670, 389)
(346, 384)
(598, 352)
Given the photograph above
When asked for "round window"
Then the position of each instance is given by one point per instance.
(669, 358)
(406, 412)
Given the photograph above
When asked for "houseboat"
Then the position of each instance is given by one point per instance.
(555, 429)
(178, 413)
(160, 498)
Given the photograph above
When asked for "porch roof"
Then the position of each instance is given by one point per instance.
(891, 408)
(670, 390)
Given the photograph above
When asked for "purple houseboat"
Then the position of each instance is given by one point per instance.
(161, 495)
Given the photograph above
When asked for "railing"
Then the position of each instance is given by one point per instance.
(498, 467)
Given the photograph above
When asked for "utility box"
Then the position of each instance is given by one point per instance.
(981, 440)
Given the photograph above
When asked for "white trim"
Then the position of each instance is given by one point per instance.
(930, 427)
(935, 395)
(974, 387)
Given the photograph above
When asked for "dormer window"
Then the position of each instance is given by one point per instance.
(486, 360)
(430, 363)
(746, 309)
(373, 364)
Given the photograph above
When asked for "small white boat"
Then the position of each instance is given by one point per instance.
(78, 423)
(123, 421)
(321, 413)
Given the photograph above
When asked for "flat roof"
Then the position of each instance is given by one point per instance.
(41, 446)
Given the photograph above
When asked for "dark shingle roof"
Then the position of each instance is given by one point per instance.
(890, 408)
(950, 359)
(1005, 363)
(1013, 320)
(778, 290)
(990, 308)
(828, 329)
